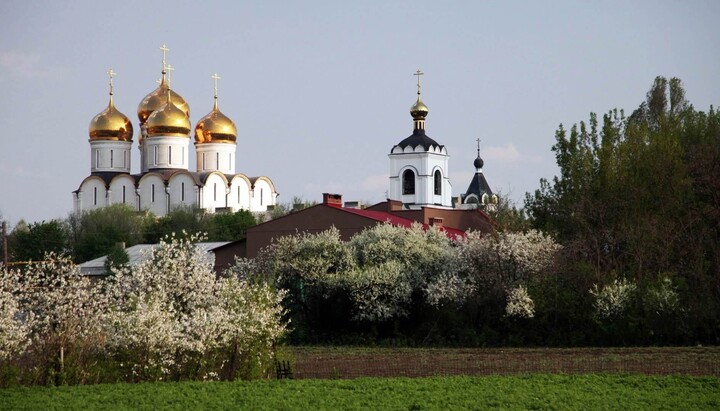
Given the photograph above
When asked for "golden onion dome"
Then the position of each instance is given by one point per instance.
(419, 110)
(110, 124)
(215, 127)
(156, 99)
(168, 120)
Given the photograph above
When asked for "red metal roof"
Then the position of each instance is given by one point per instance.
(382, 216)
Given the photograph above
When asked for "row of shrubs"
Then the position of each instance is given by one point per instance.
(397, 286)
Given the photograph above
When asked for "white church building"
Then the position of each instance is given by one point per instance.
(165, 181)
(419, 171)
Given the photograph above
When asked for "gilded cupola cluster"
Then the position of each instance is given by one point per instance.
(164, 112)
(168, 120)
(157, 98)
(110, 124)
(215, 127)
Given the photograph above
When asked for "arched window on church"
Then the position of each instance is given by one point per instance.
(408, 182)
(438, 183)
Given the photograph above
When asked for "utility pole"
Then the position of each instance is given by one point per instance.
(4, 245)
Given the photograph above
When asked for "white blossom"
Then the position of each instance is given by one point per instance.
(379, 292)
(663, 299)
(519, 303)
(172, 309)
(14, 330)
(614, 298)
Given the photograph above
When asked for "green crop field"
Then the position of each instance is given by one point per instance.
(538, 391)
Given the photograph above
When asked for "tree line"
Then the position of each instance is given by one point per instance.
(92, 234)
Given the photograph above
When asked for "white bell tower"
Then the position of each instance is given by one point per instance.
(419, 165)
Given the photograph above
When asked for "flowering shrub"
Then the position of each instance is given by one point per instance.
(519, 303)
(381, 268)
(311, 257)
(613, 299)
(379, 292)
(173, 315)
(14, 330)
(663, 298)
(504, 260)
(59, 310)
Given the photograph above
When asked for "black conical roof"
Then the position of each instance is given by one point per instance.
(478, 186)
(419, 138)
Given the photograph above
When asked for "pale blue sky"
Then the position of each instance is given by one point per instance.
(320, 90)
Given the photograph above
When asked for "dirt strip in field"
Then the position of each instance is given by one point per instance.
(345, 362)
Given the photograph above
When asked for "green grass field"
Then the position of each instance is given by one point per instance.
(546, 392)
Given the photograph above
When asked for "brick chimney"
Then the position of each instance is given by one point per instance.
(332, 200)
(436, 222)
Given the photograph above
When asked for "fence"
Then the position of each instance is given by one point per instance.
(343, 362)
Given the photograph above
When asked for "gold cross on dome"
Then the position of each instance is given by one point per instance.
(418, 74)
(111, 74)
(215, 77)
(164, 51)
(169, 68)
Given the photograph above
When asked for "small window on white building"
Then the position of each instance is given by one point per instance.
(155, 152)
(215, 192)
(408, 182)
(112, 158)
(169, 155)
(261, 196)
(94, 195)
(217, 161)
(438, 183)
(182, 191)
(123, 194)
(97, 158)
(152, 192)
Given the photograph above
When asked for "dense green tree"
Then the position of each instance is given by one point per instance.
(507, 216)
(229, 226)
(94, 233)
(32, 241)
(637, 197)
(116, 258)
(181, 220)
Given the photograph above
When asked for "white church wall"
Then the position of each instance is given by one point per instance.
(182, 190)
(110, 156)
(239, 197)
(214, 192)
(122, 191)
(153, 198)
(423, 165)
(263, 195)
(92, 194)
(216, 157)
(167, 152)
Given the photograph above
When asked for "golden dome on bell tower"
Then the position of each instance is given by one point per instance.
(215, 127)
(419, 110)
(110, 124)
